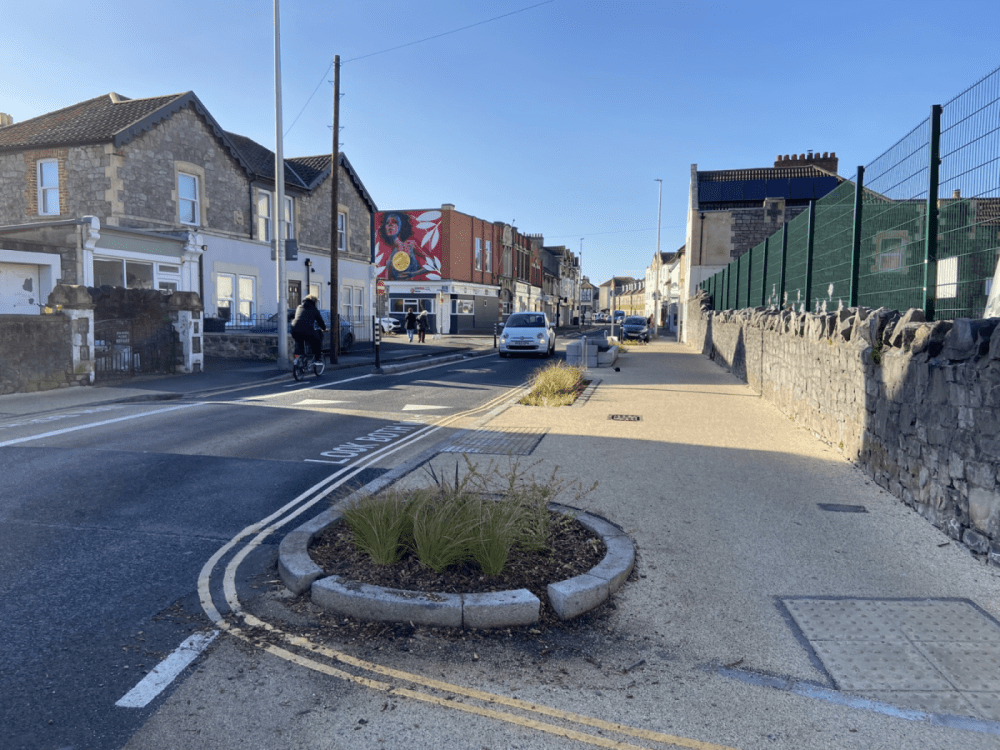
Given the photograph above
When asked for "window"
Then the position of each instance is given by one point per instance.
(341, 232)
(48, 187)
(187, 199)
(463, 306)
(264, 216)
(352, 302)
(224, 288)
(123, 273)
(489, 256)
(289, 218)
(235, 293)
(479, 254)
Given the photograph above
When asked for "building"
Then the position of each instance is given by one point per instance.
(466, 272)
(730, 211)
(154, 194)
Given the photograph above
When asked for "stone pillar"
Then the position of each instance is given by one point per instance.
(75, 302)
(185, 310)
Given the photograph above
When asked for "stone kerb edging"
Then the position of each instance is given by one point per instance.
(570, 598)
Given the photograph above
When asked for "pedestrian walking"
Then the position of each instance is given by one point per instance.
(422, 323)
(410, 323)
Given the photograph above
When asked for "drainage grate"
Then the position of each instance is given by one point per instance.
(834, 508)
(624, 417)
(514, 442)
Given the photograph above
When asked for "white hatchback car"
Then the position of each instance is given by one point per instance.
(527, 333)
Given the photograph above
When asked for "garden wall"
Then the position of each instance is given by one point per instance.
(915, 405)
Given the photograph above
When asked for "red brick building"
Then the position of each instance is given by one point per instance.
(466, 272)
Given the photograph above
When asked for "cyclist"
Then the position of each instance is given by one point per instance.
(307, 327)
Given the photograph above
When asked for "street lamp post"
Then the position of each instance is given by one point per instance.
(579, 306)
(656, 288)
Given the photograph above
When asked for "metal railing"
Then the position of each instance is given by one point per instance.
(918, 227)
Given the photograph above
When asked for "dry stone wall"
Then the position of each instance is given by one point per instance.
(915, 405)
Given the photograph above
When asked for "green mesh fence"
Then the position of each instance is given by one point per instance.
(833, 243)
(796, 262)
(969, 200)
(894, 258)
(894, 224)
(757, 273)
(773, 276)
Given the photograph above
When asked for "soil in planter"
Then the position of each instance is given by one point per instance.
(573, 550)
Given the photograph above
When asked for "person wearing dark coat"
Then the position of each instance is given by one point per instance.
(308, 327)
(410, 323)
(422, 324)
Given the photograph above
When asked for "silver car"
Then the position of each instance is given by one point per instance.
(527, 333)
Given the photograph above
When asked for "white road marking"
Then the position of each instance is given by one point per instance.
(421, 407)
(166, 671)
(54, 433)
(318, 402)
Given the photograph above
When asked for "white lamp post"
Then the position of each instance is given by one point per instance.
(656, 289)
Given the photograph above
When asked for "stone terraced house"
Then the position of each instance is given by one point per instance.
(154, 194)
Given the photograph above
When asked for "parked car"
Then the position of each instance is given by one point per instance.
(635, 327)
(527, 333)
(619, 316)
(389, 324)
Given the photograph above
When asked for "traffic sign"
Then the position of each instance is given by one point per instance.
(380, 286)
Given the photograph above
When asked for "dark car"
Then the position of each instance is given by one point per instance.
(635, 327)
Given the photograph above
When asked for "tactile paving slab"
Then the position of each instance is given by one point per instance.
(936, 655)
(512, 442)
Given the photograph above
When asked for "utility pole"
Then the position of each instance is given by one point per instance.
(279, 193)
(656, 289)
(335, 219)
(580, 286)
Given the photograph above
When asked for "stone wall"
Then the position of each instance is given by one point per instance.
(915, 405)
(262, 346)
(37, 354)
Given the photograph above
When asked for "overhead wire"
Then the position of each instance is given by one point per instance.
(408, 44)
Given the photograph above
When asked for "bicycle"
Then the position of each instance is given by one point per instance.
(302, 363)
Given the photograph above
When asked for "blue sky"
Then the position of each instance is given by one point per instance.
(557, 116)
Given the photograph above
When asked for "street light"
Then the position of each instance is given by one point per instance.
(656, 288)
(579, 306)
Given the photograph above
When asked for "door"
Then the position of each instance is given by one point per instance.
(19, 289)
(294, 294)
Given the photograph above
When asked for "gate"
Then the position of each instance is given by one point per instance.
(125, 348)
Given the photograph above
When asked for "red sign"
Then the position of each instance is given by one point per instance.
(380, 286)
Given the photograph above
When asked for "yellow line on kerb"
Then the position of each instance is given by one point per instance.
(492, 698)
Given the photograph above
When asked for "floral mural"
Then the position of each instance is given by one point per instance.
(407, 245)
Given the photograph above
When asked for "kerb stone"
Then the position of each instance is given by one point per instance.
(497, 609)
(367, 602)
(574, 596)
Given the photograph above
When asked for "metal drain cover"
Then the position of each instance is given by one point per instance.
(513, 442)
(624, 417)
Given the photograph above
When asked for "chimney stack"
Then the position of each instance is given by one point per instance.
(825, 161)
(5, 120)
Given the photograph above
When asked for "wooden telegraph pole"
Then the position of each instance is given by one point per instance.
(335, 218)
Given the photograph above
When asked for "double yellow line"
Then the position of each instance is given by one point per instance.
(303, 652)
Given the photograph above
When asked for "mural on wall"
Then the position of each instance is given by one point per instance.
(407, 245)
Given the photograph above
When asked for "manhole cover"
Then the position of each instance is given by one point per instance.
(515, 442)
(835, 508)
(624, 417)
